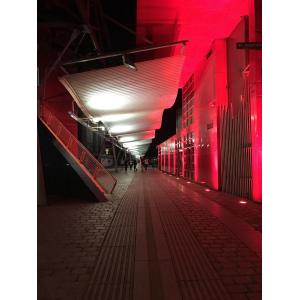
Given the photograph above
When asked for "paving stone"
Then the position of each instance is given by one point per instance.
(151, 241)
(70, 233)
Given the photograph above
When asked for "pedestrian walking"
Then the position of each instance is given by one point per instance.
(146, 163)
(134, 165)
(126, 164)
(142, 164)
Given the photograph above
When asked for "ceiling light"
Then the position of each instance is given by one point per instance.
(128, 63)
(124, 139)
(114, 118)
(121, 128)
(107, 101)
(139, 147)
(137, 143)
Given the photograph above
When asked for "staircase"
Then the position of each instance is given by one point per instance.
(91, 171)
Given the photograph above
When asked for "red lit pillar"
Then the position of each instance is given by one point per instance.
(221, 101)
(255, 60)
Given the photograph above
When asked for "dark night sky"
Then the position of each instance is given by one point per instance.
(168, 127)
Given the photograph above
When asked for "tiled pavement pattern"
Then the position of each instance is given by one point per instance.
(70, 234)
(250, 212)
(195, 275)
(238, 267)
(112, 277)
(162, 243)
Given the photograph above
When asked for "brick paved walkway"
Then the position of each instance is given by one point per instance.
(250, 211)
(70, 234)
(160, 238)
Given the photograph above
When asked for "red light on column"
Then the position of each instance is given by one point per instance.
(203, 182)
(243, 202)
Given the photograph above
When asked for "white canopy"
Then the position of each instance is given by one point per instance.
(130, 103)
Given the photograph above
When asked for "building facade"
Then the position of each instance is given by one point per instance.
(218, 139)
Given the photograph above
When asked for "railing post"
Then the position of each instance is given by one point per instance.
(69, 142)
(59, 129)
(49, 119)
(96, 172)
(82, 156)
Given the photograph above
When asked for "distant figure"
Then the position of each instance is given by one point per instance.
(153, 163)
(142, 164)
(134, 165)
(126, 164)
(146, 163)
(130, 164)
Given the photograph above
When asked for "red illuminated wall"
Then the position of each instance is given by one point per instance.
(221, 85)
(209, 92)
(255, 60)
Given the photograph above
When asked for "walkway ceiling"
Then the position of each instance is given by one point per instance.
(130, 103)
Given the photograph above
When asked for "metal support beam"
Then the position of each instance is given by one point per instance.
(73, 36)
(79, 43)
(126, 52)
(84, 11)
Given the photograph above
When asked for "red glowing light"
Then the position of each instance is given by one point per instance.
(177, 177)
(207, 190)
(214, 69)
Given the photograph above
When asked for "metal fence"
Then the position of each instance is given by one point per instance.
(106, 181)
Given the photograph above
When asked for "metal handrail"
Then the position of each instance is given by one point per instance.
(96, 170)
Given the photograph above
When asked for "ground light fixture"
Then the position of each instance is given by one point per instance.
(243, 202)
(207, 190)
